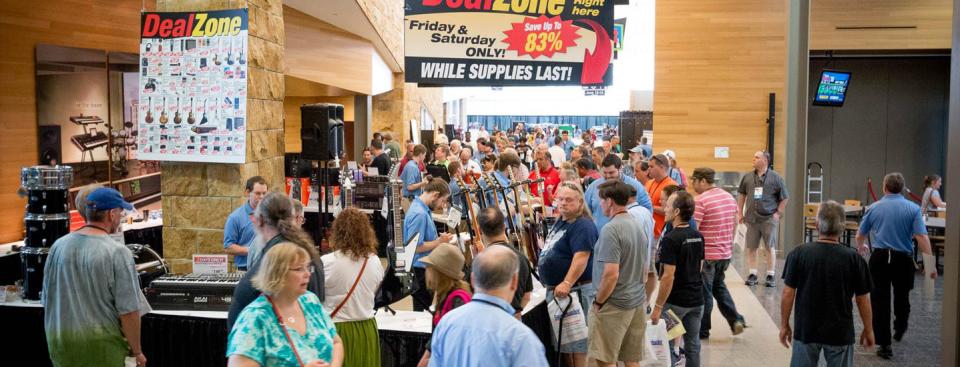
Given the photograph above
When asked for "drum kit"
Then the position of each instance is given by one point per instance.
(46, 220)
(124, 140)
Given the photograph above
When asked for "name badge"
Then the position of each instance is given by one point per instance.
(757, 193)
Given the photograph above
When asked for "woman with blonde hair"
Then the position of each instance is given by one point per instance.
(273, 221)
(354, 274)
(567, 257)
(285, 325)
(445, 280)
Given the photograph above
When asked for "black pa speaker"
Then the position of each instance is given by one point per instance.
(321, 132)
(48, 140)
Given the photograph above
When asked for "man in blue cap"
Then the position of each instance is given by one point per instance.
(91, 292)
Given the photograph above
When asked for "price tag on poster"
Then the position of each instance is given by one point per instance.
(193, 87)
(508, 42)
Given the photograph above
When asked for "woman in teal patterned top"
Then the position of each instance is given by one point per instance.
(260, 338)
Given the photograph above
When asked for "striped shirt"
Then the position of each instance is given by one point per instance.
(716, 214)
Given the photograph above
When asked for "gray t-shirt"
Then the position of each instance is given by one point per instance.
(774, 191)
(624, 242)
(89, 282)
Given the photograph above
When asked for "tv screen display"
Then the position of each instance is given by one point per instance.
(832, 90)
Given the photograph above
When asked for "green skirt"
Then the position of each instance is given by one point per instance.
(361, 343)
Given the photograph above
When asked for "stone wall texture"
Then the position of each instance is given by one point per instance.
(198, 197)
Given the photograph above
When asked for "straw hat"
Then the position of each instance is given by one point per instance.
(446, 259)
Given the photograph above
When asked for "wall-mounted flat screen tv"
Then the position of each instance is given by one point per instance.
(832, 90)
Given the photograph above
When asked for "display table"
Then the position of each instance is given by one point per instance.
(198, 338)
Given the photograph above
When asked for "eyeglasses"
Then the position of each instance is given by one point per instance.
(309, 268)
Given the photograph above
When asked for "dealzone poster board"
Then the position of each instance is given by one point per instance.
(508, 42)
(193, 86)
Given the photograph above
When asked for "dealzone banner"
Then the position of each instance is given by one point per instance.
(193, 86)
(508, 42)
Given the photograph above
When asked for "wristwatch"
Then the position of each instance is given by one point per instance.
(598, 304)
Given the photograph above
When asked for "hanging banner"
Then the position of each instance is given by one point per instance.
(508, 42)
(193, 86)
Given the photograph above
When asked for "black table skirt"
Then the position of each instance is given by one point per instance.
(192, 341)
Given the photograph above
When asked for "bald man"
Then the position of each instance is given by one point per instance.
(484, 332)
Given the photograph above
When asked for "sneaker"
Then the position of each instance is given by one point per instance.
(771, 282)
(885, 352)
(704, 336)
(737, 327)
(751, 280)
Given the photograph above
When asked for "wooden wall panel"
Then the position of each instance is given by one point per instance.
(716, 63)
(101, 24)
(321, 53)
(932, 19)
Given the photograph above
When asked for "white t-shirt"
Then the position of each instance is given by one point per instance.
(557, 155)
(340, 271)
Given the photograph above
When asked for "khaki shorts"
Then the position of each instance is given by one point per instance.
(766, 230)
(616, 334)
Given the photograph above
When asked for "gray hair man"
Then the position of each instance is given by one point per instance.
(825, 275)
(82, 314)
(484, 332)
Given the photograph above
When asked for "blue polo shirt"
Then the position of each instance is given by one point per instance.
(567, 146)
(239, 230)
(484, 332)
(456, 196)
(592, 197)
(411, 175)
(419, 220)
(892, 222)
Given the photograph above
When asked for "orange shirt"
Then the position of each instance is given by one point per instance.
(655, 189)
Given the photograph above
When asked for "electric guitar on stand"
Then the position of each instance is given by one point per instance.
(477, 245)
(397, 281)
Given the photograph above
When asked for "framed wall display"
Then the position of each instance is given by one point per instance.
(193, 86)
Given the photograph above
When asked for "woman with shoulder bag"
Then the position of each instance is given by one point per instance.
(286, 325)
(354, 273)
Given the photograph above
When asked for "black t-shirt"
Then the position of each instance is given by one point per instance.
(524, 283)
(382, 162)
(683, 248)
(826, 277)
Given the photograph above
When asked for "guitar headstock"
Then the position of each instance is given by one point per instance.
(395, 172)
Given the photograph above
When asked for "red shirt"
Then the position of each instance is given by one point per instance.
(716, 217)
(551, 180)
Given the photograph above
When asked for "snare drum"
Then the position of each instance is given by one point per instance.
(149, 264)
(48, 201)
(32, 261)
(44, 229)
(46, 177)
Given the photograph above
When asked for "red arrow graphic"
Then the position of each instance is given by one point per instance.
(595, 64)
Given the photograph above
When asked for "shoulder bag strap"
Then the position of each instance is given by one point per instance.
(350, 292)
(285, 333)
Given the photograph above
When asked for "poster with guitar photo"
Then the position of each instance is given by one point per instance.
(193, 86)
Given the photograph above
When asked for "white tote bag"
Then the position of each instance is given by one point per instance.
(656, 349)
(567, 320)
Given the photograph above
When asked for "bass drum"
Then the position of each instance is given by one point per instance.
(149, 264)
(44, 229)
(32, 261)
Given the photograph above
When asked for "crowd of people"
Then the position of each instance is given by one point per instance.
(628, 223)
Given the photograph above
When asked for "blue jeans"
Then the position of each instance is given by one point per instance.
(715, 286)
(690, 317)
(805, 354)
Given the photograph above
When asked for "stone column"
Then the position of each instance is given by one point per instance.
(198, 197)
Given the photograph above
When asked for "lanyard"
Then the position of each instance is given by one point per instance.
(489, 303)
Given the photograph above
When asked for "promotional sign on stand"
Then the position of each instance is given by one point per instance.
(508, 43)
(193, 86)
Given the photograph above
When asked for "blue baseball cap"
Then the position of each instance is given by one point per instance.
(105, 198)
